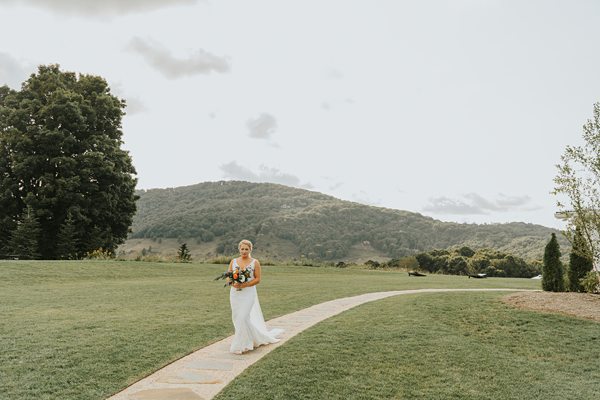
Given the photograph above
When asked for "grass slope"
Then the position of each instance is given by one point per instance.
(432, 346)
(87, 329)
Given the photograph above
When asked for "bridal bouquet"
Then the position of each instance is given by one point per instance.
(237, 275)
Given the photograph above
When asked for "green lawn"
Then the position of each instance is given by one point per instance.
(85, 330)
(432, 346)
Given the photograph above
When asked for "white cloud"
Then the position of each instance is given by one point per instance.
(265, 174)
(235, 171)
(101, 8)
(508, 201)
(483, 204)
(478, 205)
(135, 106)
(445, 205)
(12, 72)
(334, 74)
(159, 57)
(262, 127)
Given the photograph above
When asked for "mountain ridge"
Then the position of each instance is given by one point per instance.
(291, 223)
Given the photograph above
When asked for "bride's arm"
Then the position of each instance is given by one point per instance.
(229, 269)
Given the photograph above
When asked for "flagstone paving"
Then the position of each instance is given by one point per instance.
(204, 373)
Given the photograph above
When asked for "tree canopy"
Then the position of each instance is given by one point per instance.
(578, 180)
(61, 158)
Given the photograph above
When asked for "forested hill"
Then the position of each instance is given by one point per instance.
(287, 223)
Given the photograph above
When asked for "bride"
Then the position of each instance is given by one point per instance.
(250, 328)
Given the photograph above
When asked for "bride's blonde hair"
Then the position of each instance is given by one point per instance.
(246, 242)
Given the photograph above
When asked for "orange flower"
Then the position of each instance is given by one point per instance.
(235, 276)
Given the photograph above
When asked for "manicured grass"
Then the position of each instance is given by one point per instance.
(432, 346)
(85, 330)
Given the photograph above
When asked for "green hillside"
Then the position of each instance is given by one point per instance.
(286, 223)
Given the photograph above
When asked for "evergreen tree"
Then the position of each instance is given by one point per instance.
(95, 241)
(66, 240)
(183, 254)
(579, 262)
(60, 150)
(24, 241)
(552, 270)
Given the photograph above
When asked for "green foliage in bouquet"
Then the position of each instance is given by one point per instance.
(236, 275)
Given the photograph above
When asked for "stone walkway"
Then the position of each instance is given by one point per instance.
(204, 373)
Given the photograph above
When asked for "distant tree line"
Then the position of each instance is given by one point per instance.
(407, 263)
(466, 261)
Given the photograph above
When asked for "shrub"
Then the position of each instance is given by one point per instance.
(99, 254)
(590, 282)
(373, 264)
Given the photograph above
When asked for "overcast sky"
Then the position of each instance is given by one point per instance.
(455, 109)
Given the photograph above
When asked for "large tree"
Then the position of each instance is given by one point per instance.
(578, 181)
(60, 155)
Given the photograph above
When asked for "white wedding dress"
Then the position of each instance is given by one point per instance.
(250, 328)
